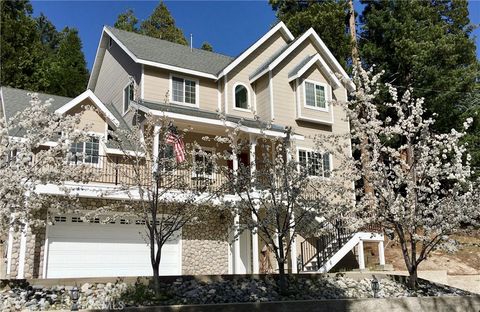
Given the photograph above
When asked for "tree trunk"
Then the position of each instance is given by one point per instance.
(413, 278)
(282, 279)
(156, 280)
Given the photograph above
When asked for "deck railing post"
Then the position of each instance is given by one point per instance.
(116, 170)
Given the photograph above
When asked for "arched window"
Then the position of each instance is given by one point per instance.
(241, 97)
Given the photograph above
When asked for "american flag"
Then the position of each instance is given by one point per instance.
(174, 139)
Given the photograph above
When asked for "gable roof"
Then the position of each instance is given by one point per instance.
(278, 27)
(90, 95)
(325, 53)
(308, 62)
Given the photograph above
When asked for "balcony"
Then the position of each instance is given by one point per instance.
(118, 170)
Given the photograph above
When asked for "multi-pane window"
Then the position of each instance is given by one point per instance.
(128, 96)
(85, 152)
(315, 164)
(241, 97)
(184, 90)
(315, 95)
(203, 163)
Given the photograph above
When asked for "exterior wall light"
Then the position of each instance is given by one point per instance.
(74, 295)
(375, 287)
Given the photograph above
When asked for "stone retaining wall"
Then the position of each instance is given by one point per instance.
(409, 304)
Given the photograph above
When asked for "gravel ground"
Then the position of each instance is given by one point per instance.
(120, 294)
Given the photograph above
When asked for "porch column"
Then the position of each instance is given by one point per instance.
(236, 244)
(156, 142)
(293, 247)
(253, 164)
(361, 257)
(381, 253)
(255, 254)
(22, 252)
(9, 249)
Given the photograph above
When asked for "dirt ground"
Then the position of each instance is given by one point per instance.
(465, 261)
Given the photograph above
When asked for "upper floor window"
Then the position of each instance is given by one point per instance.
(315, 95)
(128, 96)
(184, 90)
(85, 152)
(241, 97)
(316, 164)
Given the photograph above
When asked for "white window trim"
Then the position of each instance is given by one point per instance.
(101, 150)
(124, 112)
(328, 94)
(197, 91)
(249, 106)
(194, 174)
(311, 150)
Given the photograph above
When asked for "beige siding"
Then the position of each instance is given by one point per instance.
(263, 97)
(242, 72)
(285, 100)
(157, 88)
(89, 117)
(114, 75)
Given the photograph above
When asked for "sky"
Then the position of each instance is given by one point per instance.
(229, 26)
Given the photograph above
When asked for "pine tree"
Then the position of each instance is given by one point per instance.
(207, 46)
(68, 72)
(21, 48)
(161, 25)
(425, 45)
(127, 21)
(329, 18)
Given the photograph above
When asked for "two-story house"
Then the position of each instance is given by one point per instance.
(289, 81)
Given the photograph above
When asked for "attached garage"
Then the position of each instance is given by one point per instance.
(92, 249)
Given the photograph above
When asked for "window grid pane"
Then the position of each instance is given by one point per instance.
(326, 165)
(177, 89)
(320, 96)
(309, 94)
(190, 92)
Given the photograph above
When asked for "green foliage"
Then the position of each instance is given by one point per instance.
(425, 45)
(207, 46)
(160, 24)
(35, 56)
(329, 18)
(127, 21)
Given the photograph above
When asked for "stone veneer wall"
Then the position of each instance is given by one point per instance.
(205, 246)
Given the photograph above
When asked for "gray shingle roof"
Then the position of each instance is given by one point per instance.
(190, 111)
(271, 59)
(16, 100)
(169, 53)
(295, 70)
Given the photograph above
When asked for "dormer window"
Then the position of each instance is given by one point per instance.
(184, 90)
(241, 97)
(316, 95)
(128, 96)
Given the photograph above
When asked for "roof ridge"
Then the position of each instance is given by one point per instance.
(169, 42)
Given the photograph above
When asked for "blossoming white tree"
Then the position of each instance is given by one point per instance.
(281, 198)
(158, 183)
(34, 150)
(420, 179)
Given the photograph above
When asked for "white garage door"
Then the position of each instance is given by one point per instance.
(81, 249)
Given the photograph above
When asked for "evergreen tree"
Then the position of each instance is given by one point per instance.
(68, 72)
(207, 46)
(329, 18)
(425, 45)
(35, 56)
(127, 21)
(21, 48)
(161, 25)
